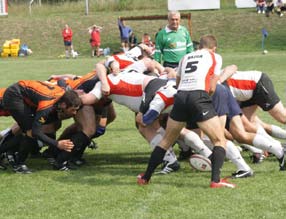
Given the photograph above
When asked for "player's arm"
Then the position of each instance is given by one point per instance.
(101, 72)
(227, 72)
(213, 82)
(37, 132)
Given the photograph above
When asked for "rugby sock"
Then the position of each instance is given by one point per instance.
(278, 132)
(81, 141)
(217, 162)
(252, 149)
(196, 143)
(5, 131)
(273, 147)
(233, 154)
(27, 144)
(11, 144)
(170, 155)
(156, 158)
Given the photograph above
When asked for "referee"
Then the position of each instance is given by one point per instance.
(172, 42)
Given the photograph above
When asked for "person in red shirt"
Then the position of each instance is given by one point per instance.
(95, 40)
(67, 37)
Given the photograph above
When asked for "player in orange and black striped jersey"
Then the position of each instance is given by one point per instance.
(3, 112)
(33, 104)
(90, 121)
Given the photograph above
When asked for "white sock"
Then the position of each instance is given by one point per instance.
(261, 131)
(233, 154)
(252, 149)
(278, 132)
(196, 143)
(5, 131)
(270, 146)
(67, 54)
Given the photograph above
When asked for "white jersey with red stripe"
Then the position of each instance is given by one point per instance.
(164, 98)
(126, 59)
(196, 69)
(243, 83)
(126, 88)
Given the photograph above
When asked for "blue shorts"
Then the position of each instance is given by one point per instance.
(219, 100)
(67, 43)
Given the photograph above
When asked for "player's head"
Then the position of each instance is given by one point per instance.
(174, 18)
(208, 42)
(146, 51)
(68, 105)
(114, 67)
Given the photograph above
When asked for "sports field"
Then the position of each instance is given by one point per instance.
(106, 187)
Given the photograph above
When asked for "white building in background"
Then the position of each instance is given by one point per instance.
(193, 4)
(245, 3)
(3, 7)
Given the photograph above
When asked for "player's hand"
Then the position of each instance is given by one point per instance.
(66, 145)
(139, 119)
(105, 89)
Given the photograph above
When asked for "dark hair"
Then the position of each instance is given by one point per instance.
(71, 99)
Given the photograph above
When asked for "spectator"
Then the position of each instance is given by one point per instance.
(260, 6)
(67, 37)
(280, 7)
(125, 33)
(95, 39)
(146, 39)
(269, 7)
(172, 42)
(132, 40)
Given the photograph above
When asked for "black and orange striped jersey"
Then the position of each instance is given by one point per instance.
(85, 82)
(3, 112)
(41, 106)
(40, 95)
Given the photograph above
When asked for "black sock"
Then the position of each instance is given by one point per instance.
(155, 159)
(26, 146)
(81, 141)
(217, 162)
(11, 144)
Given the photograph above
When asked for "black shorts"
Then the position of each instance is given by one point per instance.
(23, 114)
(171, 64)
(192, 107)
(149, 93)
(264, 95)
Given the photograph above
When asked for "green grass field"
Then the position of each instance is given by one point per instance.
(106, 187)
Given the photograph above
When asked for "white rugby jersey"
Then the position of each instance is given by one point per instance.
(126, 88)
(196, 69)
(243, 83)
(125, 59)
(164, 98)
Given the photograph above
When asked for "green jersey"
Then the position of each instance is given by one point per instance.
(171, 45)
